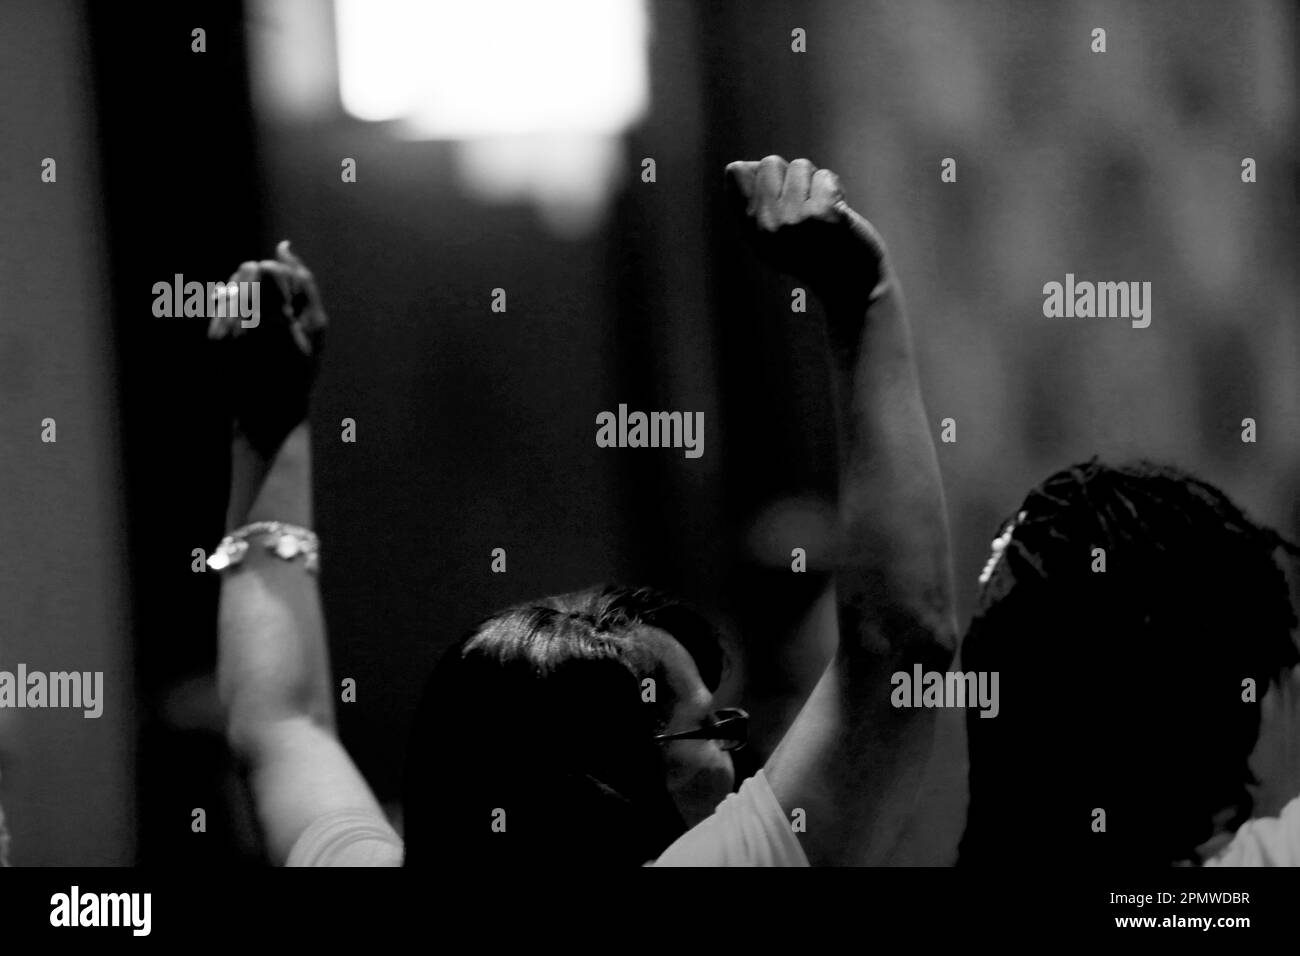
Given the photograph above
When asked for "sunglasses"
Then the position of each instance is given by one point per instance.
(729, 726)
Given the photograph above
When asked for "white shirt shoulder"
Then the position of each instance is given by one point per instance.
(749, 828)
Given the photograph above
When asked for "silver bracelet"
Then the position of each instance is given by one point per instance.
(285, 541)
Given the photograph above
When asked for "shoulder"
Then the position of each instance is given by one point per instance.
(749, 828)
(1268, 841)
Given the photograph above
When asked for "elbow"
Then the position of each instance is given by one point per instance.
(247, 725)
(925, 638)
(245, 739)
(252, 717)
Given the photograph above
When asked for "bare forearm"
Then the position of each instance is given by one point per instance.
(275, 489)
(893, 571)
(273, 661)
(849, 747)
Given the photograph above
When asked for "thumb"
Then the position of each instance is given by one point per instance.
(741, 179)
(862, 228)
(287, 255)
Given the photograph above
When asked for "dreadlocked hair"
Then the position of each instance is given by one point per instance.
(1136, 616)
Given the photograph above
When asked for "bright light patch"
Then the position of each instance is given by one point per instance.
(462, 69)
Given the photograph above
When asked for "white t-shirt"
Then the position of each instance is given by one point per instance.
(1268, 841)
(748, 829)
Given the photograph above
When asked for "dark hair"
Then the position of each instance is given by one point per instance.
(1122, 690)
(539, 713)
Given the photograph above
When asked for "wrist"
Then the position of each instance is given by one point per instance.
(858, 275)
(870, 315)
(249, 449)
(285, 541)
(270, 487)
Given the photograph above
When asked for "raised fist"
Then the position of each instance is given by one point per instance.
(800, 224)
(270, 365)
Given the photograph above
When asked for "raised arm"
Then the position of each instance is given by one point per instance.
(273, 661)
(851, 760)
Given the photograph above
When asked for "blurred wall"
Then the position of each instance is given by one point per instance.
(66, 782)
(178, 168)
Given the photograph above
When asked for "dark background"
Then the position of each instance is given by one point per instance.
(475, 430)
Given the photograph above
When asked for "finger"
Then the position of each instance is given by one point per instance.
(247, 272)
(824, 195)
(795, 189)
(226, 312)
(313, 317)
(864, 230)
(740, 178)
(216, 307)
(300, 338)
(767, 193)
(283, 277)
(214, 323)
(286, 255)
(226, 305)
(308, 308)
(305, 282)
(223, 304)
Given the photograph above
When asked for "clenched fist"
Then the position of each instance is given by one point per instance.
(270, 365)
(801, 225)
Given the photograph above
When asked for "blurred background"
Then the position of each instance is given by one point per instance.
(500, 144)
